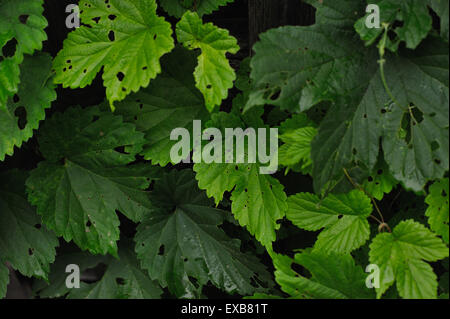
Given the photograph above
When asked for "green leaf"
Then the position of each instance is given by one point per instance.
(4, 279)
(379, 182)
(177, 8)
(170, 101)
(26, 109)
(416, 21)
(88, 175)
(333, 276)
(297, 134)
(343, 218)
(258, 200)
(123, 279)
(290, 62)
(21, 21)
(401, 256)
(441, 8)
(56, 286)
(438, 209)
(213, 75)
(24, 243)
(181, 246)
(127, 42)
(415, 137)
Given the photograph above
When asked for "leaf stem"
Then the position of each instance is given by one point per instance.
(382, 223)
(382, 62)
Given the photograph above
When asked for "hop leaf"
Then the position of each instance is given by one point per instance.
(333, 276)
(401, 256)
(258, 200)
(21, 32)
(88, 175)
(416, 22)
(24, 243)
(213, 75)
(170, 101)
(343, 217)
(177, 8)
(180, 241)
(26, 109)
(126, 38)
(438, 209)
(297, 135)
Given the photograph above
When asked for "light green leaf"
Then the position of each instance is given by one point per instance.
(438, 209)
(401, 256)
(170, 101)
(297, 134)
(380, 182)
(20, 21)
(258, 200)
(27, 245)
(343, 218)
(181, 246)
(127, 42)
(26, 109)
(333, 276)
(88, 175)
(177, 8)
(213, 75)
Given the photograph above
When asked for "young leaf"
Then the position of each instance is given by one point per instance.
(297, 134)
(401, 256)
(380, 182)
(23, 112)
(24, 243)
(333, 276)
(21, 32)
(126, 38)
(258, 200)
(181, 246)
(438, 209)
(213, 75)
(170, 101)
(343, 217)
(177, 8)
(88, 175)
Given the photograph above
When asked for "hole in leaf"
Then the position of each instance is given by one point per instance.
(23, 18)
(434, 145)
(111, 36)
(38, 226)
(9, 49)
(21, 113)
(161, 250)
(96, 19)
(120, 76)
(112, 17)
(30, 251)
(380, 171)
(120, 149)
(16, 98)
(120, 281)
